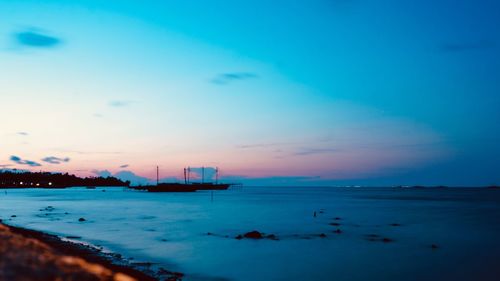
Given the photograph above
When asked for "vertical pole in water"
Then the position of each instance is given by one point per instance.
(202, 174)
(157, 175)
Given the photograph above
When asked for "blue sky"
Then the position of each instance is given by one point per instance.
(301, 92)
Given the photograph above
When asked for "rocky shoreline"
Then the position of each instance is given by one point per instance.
(32, 255)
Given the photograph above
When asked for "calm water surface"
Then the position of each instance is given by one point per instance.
(171, 230)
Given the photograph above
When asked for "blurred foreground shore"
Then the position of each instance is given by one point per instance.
(31, 255)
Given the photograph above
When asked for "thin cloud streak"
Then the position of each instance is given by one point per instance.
(36, 39)
(310, 151)
(55, 160)
(119, 103)
(81, 152)
(20, 161)
(226, 78)
(265, 145)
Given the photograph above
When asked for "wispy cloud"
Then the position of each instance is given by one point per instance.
(86, 152)
(20, 161)
(261, 145)
(461, 47)
(226, 78)
(36, 39)
(22, 133)
(120, 103)
(55, 160)
(125, 176)
(277, 180)
(311, 150)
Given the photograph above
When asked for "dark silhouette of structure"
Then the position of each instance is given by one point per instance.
(187, 186)
(13, 179)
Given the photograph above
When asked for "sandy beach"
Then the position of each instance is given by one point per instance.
(31, 255)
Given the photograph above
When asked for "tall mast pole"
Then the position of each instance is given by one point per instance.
(202, 174)
(185, 179)
(216, 175)
(189, 174)
(157, 175)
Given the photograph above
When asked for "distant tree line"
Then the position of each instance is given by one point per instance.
(14, 179)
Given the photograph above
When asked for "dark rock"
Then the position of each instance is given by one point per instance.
(272, 237)
(387, 240)
(170, 275)
(334, 224)
(143, 264)
(374, 237)
(209, 233)
(81, 219)
(322, 235)
(13, 216)
(395, 224)
(253, 235)
(338, 231)
(48, 209)
(337, 218)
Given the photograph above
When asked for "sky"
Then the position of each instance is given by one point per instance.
(319, 92)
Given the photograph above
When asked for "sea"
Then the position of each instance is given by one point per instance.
(321, 233)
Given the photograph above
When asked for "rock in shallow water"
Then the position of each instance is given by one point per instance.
(253, 235)
(256, 235)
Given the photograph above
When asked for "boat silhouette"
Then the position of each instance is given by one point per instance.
(187, 186)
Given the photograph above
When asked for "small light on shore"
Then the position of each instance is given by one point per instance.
(50, 183)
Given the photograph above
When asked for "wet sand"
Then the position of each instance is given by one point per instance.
(27, 255)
